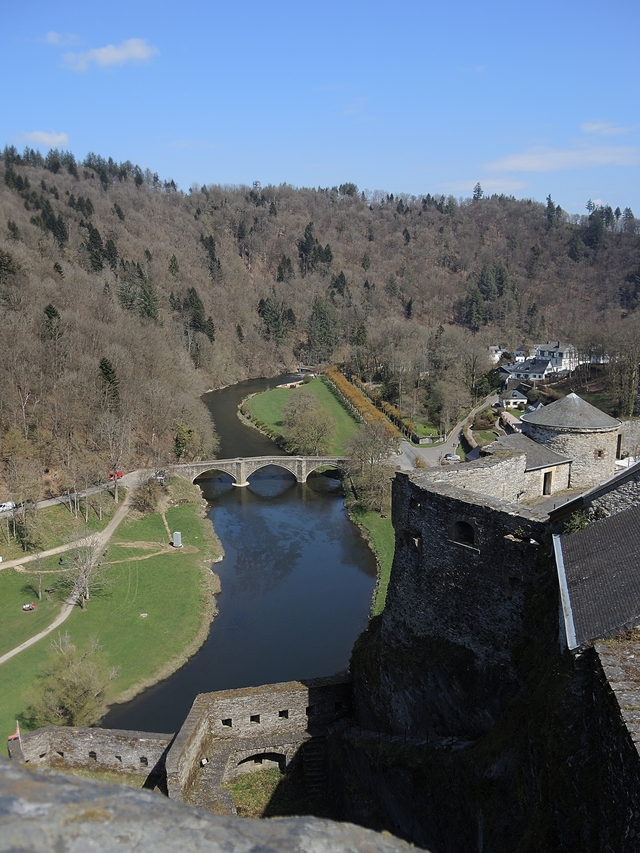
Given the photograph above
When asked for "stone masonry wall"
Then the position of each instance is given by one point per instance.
(593, 453)
(445, 645)
(271, 715)
(630, 431)
(534, 481)
(501, 477)
(460, 563)
(96, 749)
(623, 497)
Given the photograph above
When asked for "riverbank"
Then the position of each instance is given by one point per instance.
(263, 412)
(151, 617)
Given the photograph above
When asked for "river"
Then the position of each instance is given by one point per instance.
(297, 580)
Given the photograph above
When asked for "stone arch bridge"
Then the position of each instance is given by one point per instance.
(241, 468)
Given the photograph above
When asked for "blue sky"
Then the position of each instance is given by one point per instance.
(415, 97)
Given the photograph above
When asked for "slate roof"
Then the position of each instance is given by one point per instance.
(538, 456)
(599, 573)
(531, 365)
(558, 346)
(571, 412)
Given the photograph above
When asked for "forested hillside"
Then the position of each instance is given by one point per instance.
(123, 299)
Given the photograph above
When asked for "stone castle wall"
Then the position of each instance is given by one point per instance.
(624, 496)
(251, 721)
(97, 749)
(455, 613)
(593, 453)
(630, 431)
(460, 563)
(534, 481)
(501, 477)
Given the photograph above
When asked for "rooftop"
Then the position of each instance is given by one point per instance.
(571, 412)
(538, 456)
(599, 578)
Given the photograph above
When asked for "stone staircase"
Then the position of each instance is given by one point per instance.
(314, 765)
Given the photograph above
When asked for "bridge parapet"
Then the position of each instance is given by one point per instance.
(241, 468)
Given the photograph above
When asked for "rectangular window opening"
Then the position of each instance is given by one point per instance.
(228, 722)
(93, 755)
(144, 761)
(284, 714)
(255, 718)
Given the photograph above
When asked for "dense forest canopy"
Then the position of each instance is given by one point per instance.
(123, 299)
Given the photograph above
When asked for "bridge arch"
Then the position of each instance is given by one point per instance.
(241, 468)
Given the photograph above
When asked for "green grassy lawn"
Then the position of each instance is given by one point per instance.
(172, 588)
(382, 542)
(267, 407)
(269, 793)
(484, 436)
(147, 529)
(15, 590)
(517, 413)
(423, 429)
(56, 525)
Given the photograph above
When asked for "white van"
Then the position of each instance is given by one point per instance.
(7, 506)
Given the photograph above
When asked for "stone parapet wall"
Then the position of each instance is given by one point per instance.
(44, 812)
(257, 719)
(188, 748)
(95, 749)
(500, 476)
(625, 496)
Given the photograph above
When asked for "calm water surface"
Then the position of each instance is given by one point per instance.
(297, 581)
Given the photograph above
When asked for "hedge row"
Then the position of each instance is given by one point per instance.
(358, 401)
(390, 411)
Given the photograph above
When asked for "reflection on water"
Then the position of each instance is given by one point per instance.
(297, 581)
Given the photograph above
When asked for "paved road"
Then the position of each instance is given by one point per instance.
(431, 456)
(103, 538)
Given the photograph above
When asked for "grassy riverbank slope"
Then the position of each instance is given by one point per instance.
(175, 588)
(267, 407)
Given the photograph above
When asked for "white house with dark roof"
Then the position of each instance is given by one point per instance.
(562, 355)
(531, 370)
(513, 399)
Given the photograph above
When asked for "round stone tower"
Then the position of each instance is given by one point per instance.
(575, 428)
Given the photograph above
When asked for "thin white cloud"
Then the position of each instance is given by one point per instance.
(603, 128)
(545, 159)
(131, 50)
(355, 107)
(63, 39)
(41, 137)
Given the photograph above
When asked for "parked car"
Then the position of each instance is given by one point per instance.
(451, 457)
(7, 506)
